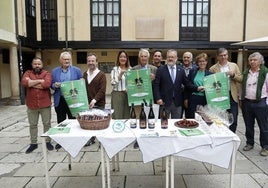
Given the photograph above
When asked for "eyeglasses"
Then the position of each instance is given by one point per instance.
(223, 55)
(252, 84)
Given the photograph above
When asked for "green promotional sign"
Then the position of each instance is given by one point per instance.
(75, 94)
(217, 90)
(139, 86)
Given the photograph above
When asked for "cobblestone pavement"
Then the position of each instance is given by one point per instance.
(18, 169)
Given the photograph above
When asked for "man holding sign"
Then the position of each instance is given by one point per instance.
(235, 77)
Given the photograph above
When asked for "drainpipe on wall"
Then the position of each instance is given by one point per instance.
(22, 91)
(66, 26)
(244, 59)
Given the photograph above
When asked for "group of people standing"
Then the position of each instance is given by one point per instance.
(179, 88)
(39, 82)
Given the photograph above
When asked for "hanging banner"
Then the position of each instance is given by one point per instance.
(217, 90)
(139, 87)
(75, 95)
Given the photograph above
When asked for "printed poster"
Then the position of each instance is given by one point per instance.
(139, 87)
(217, 90)
(75, 94)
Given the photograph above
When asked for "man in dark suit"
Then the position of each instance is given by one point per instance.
(168, 85)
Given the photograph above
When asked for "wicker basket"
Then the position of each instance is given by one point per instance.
(95, 124)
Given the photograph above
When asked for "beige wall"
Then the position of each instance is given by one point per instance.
(226, 21)
(5, 89)
(7, 25)
(78, 20)
(131, 10)
(22, 17)
(257, 25)
(7, 12)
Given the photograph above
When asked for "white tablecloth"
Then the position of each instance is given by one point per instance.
(215, 146)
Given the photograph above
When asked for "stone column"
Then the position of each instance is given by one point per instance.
(14, 74)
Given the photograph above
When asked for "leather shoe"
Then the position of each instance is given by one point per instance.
(31, 148)
(49, 146)
(136, 145)
(264, 152)
(91, 141)
(248, 147)
(58, 146)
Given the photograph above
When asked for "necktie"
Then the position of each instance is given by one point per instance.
(172, 73)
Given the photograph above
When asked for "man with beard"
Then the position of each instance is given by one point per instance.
(168, 83)
(38, 100)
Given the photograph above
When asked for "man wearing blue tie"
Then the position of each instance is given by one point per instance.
(168, 83)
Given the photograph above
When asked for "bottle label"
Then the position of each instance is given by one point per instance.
(164, 124)
(133, 123)
(151, 123)
(142, 124)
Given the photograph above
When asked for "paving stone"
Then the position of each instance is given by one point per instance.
(261, 162)
(40, 182)
(76, 159)
(134, 168)
(22, 158)
(90, 157)
(189, 167)
(92, 182)
(32, 170)
(8, 140)
(262, 179)
(11, 147)
(133, 156)
(145, 181)
(11, 182)
(7, 168)
(219, 181)
(56, 156)
(78, 169)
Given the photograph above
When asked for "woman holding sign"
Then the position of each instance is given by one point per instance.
(196, 76)
(119, 101)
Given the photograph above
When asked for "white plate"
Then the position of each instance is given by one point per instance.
(139, 94)
(76, 105)
(219, 99)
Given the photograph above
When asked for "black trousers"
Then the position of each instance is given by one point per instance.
(63, 110)
(256, 111)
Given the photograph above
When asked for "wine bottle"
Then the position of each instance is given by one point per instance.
(151, 117)
(143, 122)
(133, 119)
(164, 118)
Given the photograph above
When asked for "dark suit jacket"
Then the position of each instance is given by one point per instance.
(164, 87)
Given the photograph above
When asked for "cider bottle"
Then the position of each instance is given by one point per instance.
(133, 119)
(143, 122)
(151, 117)
(164, 118)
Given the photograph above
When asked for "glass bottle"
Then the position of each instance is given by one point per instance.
(133, 119)
(143, 121)
(164, 118)
(151, 117)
